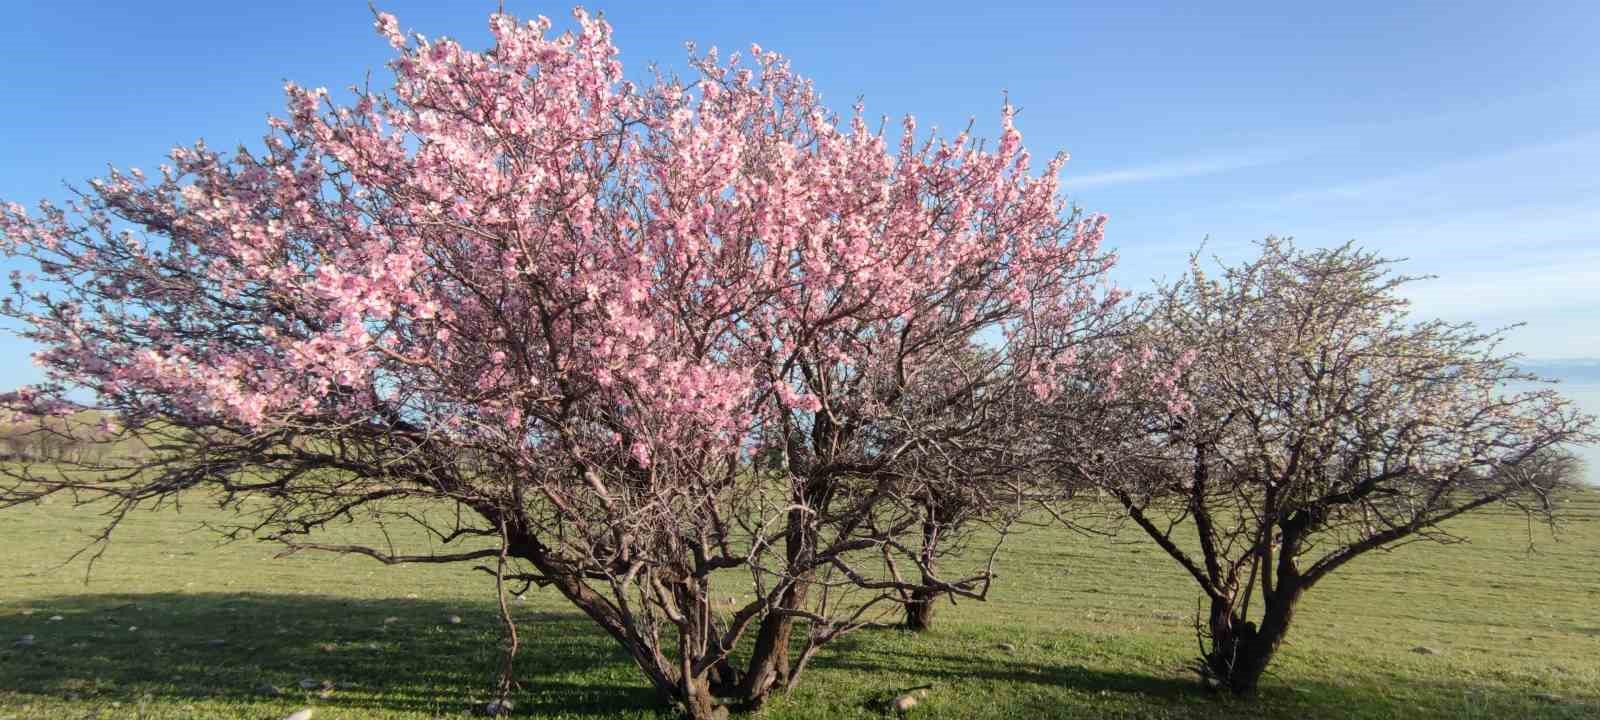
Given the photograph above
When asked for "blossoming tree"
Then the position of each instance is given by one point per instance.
(554, 316)
(1293, 416)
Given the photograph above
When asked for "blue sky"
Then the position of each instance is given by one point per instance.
(1465, 136)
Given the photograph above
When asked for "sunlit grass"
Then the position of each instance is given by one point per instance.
(1101, 628)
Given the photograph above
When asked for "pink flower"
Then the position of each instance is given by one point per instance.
(640, 453)
(389, 26)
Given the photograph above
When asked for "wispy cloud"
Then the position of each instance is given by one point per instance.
(1514, 291)
(1495, 169)
(1186, 168)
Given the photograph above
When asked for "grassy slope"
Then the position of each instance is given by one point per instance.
(1101, 629)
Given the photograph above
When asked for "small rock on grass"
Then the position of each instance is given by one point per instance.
(453, 619)
(328, 647)
(26, 641)
(269, 690)
(302, 714)
(496, 708)
(56, 618)
(1549, 698)
(391, 620)
(1006, 647)
(903, 702)
(1425, 650)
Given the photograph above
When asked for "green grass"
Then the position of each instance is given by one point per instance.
(1102, 629)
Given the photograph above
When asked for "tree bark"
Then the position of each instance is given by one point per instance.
(769, 659)
(1241, 650)
(698, 701)
(939, 514)
(919, 610)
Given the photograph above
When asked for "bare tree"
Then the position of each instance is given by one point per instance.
(990, 475)
(1288, 415)
(962, 470)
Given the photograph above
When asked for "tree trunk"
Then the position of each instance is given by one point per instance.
(769, 659)
(939, 513)
(698, 702)
(919, 610)
(692, 691)
(1241, 650)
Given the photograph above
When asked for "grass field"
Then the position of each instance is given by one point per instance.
(174, 625)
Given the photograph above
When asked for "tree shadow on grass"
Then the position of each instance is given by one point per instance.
(1060, 685)
(404, 655)
(392, 654)
(876, 653)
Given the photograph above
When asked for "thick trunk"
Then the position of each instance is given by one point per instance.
(919, 610)
(698, 702)
(725, 679)
(692, 691)
(1240, 649)
(769, 659)
(939, 513)
(770, 666)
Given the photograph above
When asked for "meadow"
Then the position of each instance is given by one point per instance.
(174, 623)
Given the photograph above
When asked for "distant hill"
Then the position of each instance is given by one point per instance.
(1578, 371)
(1580, 382)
